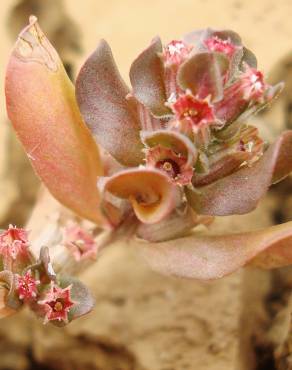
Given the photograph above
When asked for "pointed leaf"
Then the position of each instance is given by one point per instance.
(147, 79)
(150, 191)
(241, 191)
(203, 74)
(211, 257)
(101, 95)
(42, 107)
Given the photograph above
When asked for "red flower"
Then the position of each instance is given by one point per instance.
(214, 43)
(57, 303)
(80, 243)
(176, 52)
(13, 242)
(27, 286)
(198, 112)
(174, 165)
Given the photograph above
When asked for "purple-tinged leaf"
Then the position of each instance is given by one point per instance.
(147, 79)
(177, 224)
(241, 191)
(203, 74)
(112, 118)
(206, 257)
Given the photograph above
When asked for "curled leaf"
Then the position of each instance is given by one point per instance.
(147, 79)
(42, 108)
(241, 191)
(113, 119)
(150, 191)
(203, 74)
(214, 256)
(173, 140)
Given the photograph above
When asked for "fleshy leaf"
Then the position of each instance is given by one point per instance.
(177, 224)
(113, 119)
(214, 256)
(150, 191)
(173, 140)
(80, 294)
(203, 74)
(241, 191)
(147, 79)
(42, 108)
(9, 303)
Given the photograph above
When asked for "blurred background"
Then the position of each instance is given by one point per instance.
(144, 323)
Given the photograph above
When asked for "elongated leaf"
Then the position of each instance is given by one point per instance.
(211, 257)
(150, 191)
(241, 191)
(147, 79)
(203, 74)
(42, 108)
(113, 119)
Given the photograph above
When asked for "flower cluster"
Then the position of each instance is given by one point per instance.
(173, 151)
(25, 280)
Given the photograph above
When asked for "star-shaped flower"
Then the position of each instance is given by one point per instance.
(27, 286)
(57, 303)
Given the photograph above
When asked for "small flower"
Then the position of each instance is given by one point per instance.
(13, 242)
(80, 243)
(176, 52)
(57, 303)
(27, 286)
(174, 165)
(253, 84)
(214, 43)
(198, 112)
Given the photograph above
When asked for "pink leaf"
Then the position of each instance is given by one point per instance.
(211, 257)
(42, 108)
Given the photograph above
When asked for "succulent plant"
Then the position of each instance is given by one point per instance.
(159, 159)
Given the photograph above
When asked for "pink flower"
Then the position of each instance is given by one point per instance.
(13, 242)
(80, 243)
(27, 286)
(176, 52)
(253, 84)
(214, 43)
(198, 112)
(57, 303)
(174, 165)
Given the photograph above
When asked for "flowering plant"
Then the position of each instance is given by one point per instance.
(154, 162)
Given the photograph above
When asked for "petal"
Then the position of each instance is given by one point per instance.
(173, 140)
(203, 74)
(147, 79)
(42, 108)
(150, 191)
(212, 257)
(113, 119)
(240, 192)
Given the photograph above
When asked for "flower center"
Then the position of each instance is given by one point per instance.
(170, 167)
(58, 306)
